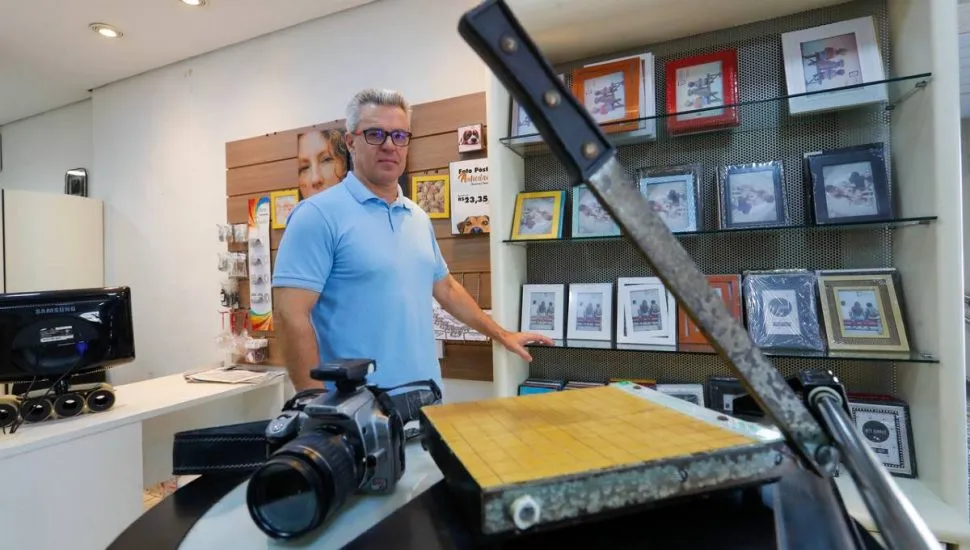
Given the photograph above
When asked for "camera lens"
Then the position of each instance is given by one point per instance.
(302, 484)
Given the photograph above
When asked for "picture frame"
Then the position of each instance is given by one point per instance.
(828, 67)
(645, 312)
(611, 93)
(282, 204)
(692, 393)
(702, 92)
(647, 121)
(471, 138)
(590, 219)
(538, 215)
(729, 287)
(752, 195)
(722, 391)
(862, 310)
(521, 129)
(887, 427)
(432, 193)
(674, 193)
(781, 312)
(850, 185)
(590, 312)
(542, 309)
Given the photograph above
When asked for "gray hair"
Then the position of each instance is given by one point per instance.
(372, 96)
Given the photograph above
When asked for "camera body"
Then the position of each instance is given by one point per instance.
(331, 445)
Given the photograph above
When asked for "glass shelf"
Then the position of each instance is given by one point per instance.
(885, 224)
(895, 357)
(754, 115)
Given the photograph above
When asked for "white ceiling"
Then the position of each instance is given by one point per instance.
(50, 58)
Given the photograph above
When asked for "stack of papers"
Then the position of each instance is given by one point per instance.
(235, 374)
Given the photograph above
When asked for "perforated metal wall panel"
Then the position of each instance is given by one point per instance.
(766, 133)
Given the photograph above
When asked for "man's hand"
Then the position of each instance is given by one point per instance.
(516, 341)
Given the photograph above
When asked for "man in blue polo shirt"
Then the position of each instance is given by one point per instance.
(359, 264)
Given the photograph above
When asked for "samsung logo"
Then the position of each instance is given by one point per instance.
(54, 309)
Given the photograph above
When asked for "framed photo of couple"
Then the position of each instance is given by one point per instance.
(542, 310)
(646, 312)
(702, 92)
(590, 312)
(850, 185)
(862, 310)
(752, 195)
(673, 193)
(841, 57)
(638, 69)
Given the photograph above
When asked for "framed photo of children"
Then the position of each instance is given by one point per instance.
(538, 215)
(781, 310)
(822, 61)
(590, 312)
(589, 218)
(673, 194)
(752, 195)
(542, 310)
(862, 311)
(728, 288)
(645, 312)
(611, 93)
(702, 92)
(850, 185)
(433, 195)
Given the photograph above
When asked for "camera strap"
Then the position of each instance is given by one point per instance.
(409, 403)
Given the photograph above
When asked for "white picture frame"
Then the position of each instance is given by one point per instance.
(692, 393)
(648, 99)
(652, 289)
(535, 316)
(842, 54)
(590, 312)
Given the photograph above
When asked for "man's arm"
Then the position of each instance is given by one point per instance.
(298, 336)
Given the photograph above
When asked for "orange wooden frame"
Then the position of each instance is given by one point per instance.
(632, 80)
(730, 285)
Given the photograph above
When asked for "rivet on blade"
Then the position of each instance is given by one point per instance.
(509, 44)
(551, 98)
(590, 150)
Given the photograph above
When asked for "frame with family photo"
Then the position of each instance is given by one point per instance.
(674, 193)
(888, 430)
(538, 215)
(590, 219)
(702, 92)
(611, 93)
(862, 310)
(542, 310)
(590, 312)
(842, 57)
(647, 124)
(752, 195)
(781, 310)
(646, 312)
(850, 185)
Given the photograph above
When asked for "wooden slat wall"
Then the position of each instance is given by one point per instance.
(259, 165)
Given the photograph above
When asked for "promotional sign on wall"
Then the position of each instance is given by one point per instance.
(260, 273)
(469, 197)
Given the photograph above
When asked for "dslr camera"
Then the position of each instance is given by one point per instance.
(331, 445)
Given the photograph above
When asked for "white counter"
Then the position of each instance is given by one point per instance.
(86, 474)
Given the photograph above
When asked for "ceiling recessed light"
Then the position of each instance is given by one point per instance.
(105, 30)
(194, 3)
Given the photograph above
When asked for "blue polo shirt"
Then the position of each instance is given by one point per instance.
(374, 265)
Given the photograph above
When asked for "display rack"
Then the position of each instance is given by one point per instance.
(924, 241)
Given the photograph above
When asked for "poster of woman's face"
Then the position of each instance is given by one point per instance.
(323, 160)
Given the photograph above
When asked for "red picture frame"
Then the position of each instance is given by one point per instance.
(690, 87)
(687, 332)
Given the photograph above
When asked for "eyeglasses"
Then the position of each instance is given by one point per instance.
(377, 136)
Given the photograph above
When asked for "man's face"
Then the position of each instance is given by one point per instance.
(320, 166)
(379, 164)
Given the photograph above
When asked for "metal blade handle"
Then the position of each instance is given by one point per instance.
(574, 137)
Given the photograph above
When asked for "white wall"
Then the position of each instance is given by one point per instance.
(159, 149)
(38, 150)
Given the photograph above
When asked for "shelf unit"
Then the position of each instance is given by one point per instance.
(920, 126)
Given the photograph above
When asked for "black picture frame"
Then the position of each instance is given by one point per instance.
(721, 387)
(779, 199)
(903, 426)
(822, 169)
(769, 294)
